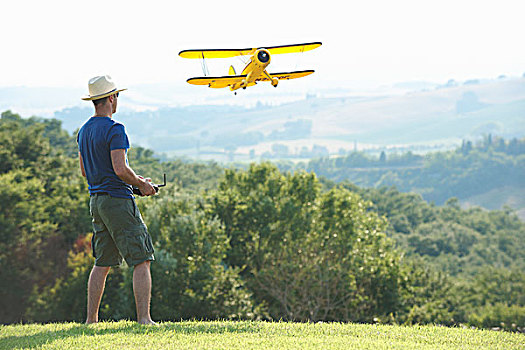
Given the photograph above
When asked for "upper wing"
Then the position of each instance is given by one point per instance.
(293, 48)
(217, 82)
(224, 53)
(216, 53)
(286, 76)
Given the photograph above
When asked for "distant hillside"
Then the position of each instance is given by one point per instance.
(512, 196)
(439, 117)
(489, 173)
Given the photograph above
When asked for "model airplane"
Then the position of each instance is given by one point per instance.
(254, 71)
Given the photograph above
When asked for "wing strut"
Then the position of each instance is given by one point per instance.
(205, 70)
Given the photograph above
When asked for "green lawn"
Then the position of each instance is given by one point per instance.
(250, 335)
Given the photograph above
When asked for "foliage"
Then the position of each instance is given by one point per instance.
(191, 280)
(430, 298)
(499, 316)
(309, 255)
(43, 207)
(452, 239)
(65, 299)
(259, 243)
(471, 169)
(191, 177)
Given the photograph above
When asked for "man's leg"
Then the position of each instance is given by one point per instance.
(96, 283)
(142, 291)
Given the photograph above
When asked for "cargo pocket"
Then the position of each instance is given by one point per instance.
(139, 247)
(149, 244)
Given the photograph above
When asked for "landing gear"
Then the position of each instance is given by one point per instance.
(273, 80)
(244, 83)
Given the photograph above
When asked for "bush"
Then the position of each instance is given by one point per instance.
(500, 315)
(309, 256)
(190, 278)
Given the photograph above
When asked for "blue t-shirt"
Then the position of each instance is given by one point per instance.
(96, 139)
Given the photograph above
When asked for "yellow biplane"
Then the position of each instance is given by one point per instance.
(254, 71)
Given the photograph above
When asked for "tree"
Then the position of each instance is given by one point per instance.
(191, 279)
(382, 157)
(310, 256)
(44, 201)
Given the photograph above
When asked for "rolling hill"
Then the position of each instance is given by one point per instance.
(437, 117)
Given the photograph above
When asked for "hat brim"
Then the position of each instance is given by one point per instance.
(96, 97)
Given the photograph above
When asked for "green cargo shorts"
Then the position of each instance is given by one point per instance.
(118, 232)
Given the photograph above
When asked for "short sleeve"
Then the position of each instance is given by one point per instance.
(118, 138)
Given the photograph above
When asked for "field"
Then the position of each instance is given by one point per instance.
(251, 335)
(514, 197)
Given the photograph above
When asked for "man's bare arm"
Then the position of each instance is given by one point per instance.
(126, 174)
(81, 165)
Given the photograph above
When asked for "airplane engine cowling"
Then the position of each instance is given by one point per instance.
(263, 57)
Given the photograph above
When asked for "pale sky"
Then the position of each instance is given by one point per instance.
(64, 43)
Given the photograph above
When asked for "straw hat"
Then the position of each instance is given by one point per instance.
(100, 87)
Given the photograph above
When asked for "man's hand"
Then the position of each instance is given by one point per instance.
(146, 188)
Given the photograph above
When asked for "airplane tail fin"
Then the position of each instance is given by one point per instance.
(232, 71)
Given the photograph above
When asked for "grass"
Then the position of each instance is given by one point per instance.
(250, 335)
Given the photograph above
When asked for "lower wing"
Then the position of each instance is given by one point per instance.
(228, 80)
(217, 82)
(286, 76)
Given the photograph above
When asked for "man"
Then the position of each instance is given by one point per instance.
(118, 230)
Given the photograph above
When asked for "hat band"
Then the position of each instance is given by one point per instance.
(104, 93)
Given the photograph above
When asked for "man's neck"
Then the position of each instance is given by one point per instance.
(103, 111)
(102, 114)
